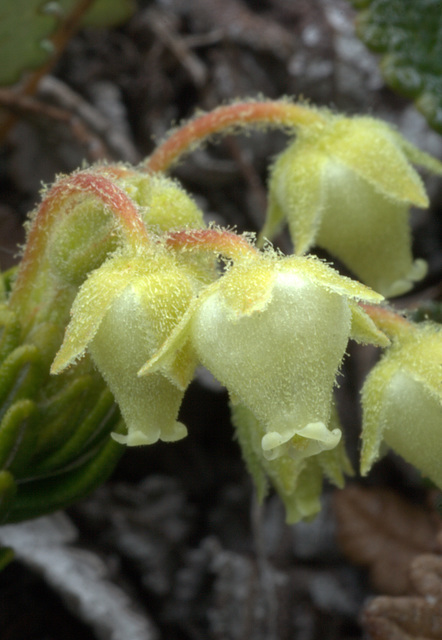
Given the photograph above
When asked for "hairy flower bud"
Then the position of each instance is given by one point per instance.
(163, 202)
(347, 186)
(402, 402)
(81, 241)
(87, 232)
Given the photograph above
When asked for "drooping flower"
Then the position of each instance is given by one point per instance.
(402, 402)
(274, 331)
(122, 314)
(347, 185)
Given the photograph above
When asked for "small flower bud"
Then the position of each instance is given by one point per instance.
(164, 204)
(81, 241)
(347, 186)
(87, 233)
(402, 402)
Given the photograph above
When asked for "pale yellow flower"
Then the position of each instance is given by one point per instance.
(347, 185)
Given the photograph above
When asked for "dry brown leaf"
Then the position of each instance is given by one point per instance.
(414, 617)
(379, 529)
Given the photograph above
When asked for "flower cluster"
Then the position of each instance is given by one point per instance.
(140, 291)
(147, 319)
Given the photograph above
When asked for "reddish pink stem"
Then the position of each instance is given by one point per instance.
(223, 242)
(116, 171)
(60, 199)
(278, 113)
(392, 323)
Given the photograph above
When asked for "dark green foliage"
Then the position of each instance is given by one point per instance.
(409, 34)
(27, 25)
(428, 311)
(54, 433)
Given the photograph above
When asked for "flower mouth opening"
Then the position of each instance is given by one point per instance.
(301, 443)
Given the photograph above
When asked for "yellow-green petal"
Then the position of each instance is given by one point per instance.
(369, 233)
(296, 190)
(321, 273)
(93, 300)
(363, 329)
(372, 401)
(367, 147)
(412, 418)
(417, 156)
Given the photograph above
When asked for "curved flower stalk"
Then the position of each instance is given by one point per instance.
(347, 186)
(83, 218)
(298, 482)
(274, 331)
(238, 116)
(402, 401)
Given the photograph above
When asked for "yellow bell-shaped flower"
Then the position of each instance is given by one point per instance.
(274, 331)
(402, 402)
(122, 315)
(346, 185)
